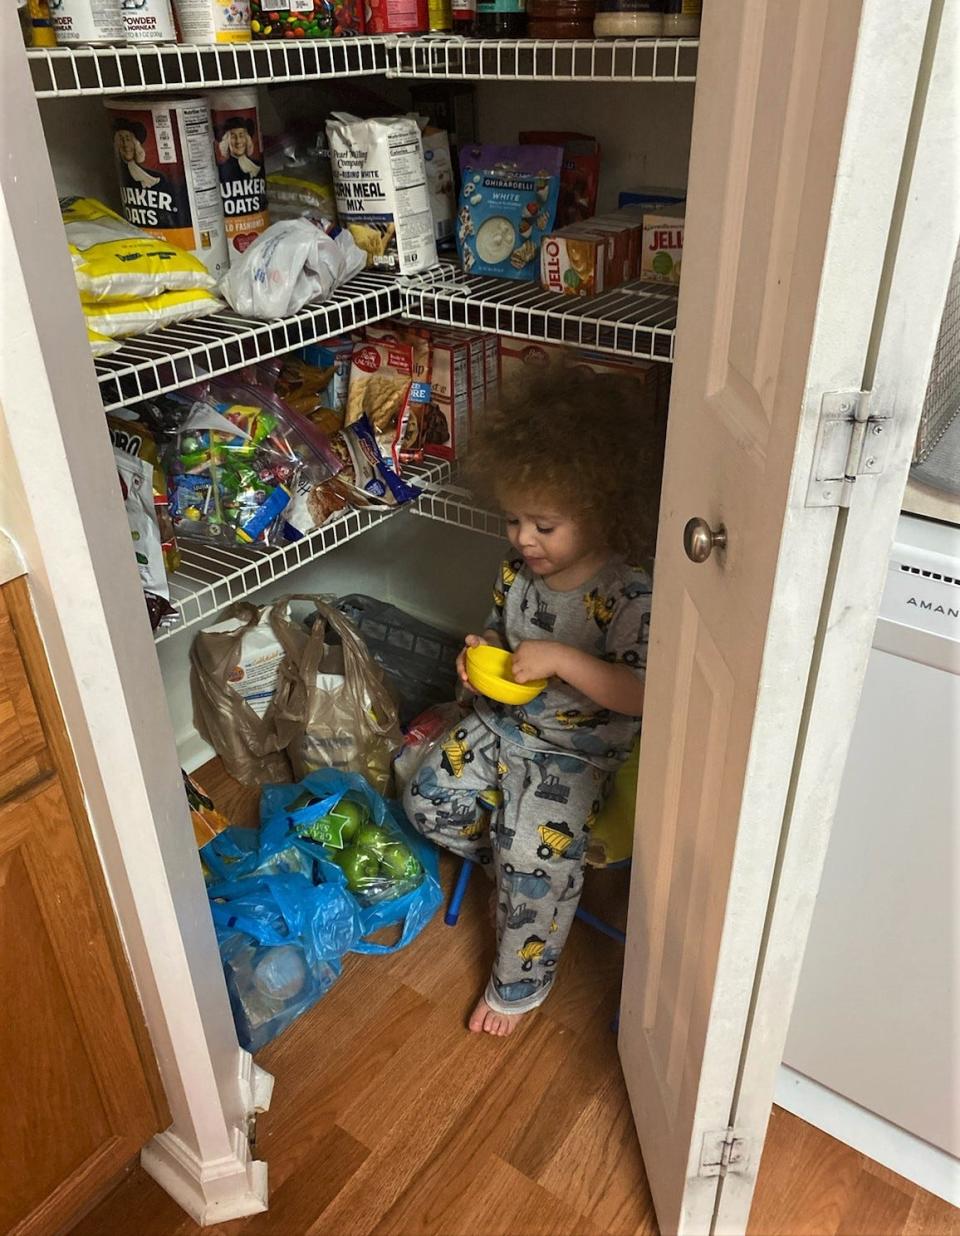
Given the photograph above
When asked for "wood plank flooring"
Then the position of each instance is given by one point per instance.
(388, 1117)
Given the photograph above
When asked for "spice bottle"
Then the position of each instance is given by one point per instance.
(560, 19)
(501, 19)
(628, 18)
(681, 18)
(440, 16)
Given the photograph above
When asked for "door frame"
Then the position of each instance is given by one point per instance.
(60, 504)
(923, 237)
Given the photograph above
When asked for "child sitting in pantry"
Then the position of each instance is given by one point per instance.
(573, 460)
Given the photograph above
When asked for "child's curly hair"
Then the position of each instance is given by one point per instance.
(592, 444)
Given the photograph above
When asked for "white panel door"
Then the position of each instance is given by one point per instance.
(803, 133)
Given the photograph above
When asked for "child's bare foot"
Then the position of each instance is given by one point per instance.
(484, 1018)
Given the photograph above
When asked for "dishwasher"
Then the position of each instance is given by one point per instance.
(877, 1016)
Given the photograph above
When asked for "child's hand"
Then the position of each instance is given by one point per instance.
(537, 658)
(471, 641)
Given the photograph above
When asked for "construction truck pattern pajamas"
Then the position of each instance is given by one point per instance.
(519, 788)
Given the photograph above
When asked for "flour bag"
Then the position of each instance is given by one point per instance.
(380, 182)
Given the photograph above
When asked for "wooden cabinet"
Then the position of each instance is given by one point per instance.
(81, 1089)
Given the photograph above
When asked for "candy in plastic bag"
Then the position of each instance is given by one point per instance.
(292, 262)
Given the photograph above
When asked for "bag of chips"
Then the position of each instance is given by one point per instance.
(136, 484)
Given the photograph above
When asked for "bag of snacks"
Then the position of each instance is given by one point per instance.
(369, 478)
(307, 19)
(136, 484)
(508, 203)
(390, 870)
(332, 707)
(130, 434)
(381, 375)
(299, 176)
(231, 473)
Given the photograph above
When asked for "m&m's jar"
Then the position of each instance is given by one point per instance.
(306, 19)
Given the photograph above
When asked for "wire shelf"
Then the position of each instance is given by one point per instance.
(638, 320)
(213, 576)
(449, 504)
(65, 72)
(567, 60)
(148, 365)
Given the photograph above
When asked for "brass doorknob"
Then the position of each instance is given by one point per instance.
(700, 540)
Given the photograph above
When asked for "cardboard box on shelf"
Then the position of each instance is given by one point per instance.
(662, 244)
(518, 356)
(573, 262)
(491, 352)
(446, 428)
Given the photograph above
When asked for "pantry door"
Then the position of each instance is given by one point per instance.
(805, 165)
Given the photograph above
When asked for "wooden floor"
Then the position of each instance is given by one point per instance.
(389, 1117)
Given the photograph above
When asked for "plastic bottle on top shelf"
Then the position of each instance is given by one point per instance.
(560, 19)
(501, 19)
(629, 19)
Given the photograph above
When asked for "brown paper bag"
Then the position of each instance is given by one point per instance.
(333, 709)
(248, 743)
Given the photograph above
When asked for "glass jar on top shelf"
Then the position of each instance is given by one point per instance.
(501, 19)
(560, 19)
(628, 19)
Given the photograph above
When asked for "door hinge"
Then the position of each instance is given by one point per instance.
(851, 442)
(723, 1153)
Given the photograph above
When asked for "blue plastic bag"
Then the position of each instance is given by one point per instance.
(402, 888)
(284, 919)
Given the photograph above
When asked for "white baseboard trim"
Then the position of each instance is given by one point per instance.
(216, 1190)
(213, 1191)
(928, 1166)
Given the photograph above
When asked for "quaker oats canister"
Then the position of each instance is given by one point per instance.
(238, 149)
(169, 184)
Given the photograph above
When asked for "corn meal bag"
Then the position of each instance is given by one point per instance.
(381, 187)
(113, 260)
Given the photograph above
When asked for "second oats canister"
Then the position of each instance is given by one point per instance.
(169, 184)
(238, 149)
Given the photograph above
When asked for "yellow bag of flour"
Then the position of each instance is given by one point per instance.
(133, 317)
(113, 260)
(100, 345)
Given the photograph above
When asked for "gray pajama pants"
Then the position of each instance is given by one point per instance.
(528, 813)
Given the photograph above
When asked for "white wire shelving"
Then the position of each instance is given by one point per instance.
(68, 72)
(561, 60)
(148, 365)
(213, 576)
(65, 72)
(447, 503)
(638, 320)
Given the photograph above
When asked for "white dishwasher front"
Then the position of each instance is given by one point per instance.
(877, 1015)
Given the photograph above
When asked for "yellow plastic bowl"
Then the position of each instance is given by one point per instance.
(490, 671)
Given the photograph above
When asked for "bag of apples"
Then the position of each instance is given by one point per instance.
(390, 870)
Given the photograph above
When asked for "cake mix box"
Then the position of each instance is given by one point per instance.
(491, 354)
(473, 341)
(446, 427)
(517, 355)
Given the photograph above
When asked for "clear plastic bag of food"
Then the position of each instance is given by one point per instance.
(292, 262)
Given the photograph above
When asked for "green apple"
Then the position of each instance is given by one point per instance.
(351, 815)
(358, 865)
(372, 837)
(399, 862)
